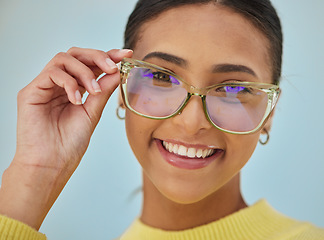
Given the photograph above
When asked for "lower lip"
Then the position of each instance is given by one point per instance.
(185, 162)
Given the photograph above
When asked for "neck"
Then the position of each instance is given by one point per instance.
(160, 212)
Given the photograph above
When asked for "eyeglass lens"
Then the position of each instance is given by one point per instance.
(157, 94)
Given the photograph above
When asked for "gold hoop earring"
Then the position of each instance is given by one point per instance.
(117, 113)
(267, 139)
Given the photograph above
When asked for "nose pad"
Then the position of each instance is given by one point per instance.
(192, 117)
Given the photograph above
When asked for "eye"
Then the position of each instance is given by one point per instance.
(158, 76)
(147, 73)
(233, 90)
(162, 76)
(167, 78)
(234, 94)
(236, 89)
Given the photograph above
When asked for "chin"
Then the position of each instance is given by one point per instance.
(185, 195)
(185, 199)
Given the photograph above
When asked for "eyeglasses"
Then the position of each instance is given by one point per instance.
(233, 106)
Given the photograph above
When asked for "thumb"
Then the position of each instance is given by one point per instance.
(95, 104)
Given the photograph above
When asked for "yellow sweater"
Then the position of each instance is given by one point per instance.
(259, 221)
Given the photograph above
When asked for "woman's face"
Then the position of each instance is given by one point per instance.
(195, 39)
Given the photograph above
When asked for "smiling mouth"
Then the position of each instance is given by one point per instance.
(190, 152)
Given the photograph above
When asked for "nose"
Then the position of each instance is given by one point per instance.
(192, 118)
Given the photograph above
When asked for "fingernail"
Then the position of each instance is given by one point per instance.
(125, 51)
(78, 100)
(110, 63)
(95, 86)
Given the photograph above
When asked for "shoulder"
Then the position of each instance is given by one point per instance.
(271, 224)
(306, 231)
(287, 228)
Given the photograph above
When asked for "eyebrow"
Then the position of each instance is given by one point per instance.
(217, 68)
(226, 68)
(167, 57)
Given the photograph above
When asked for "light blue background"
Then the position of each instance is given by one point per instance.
(97, 203)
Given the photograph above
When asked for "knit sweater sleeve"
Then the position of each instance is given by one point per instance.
(11, 229)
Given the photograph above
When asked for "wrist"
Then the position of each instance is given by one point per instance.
(28, 192)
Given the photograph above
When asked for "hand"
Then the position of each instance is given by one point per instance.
(54, 129)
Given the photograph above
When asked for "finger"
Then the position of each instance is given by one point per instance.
(66, 81)
(118, 54)
(94, 105)
(97, 59)
(115, 55)
(94, 58)
(42, 89)
(82, 73)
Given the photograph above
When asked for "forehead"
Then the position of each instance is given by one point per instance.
(204, 35)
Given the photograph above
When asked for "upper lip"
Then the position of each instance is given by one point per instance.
(190, 145)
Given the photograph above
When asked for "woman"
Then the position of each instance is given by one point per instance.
(227, 54)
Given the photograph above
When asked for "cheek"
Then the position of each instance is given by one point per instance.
(240, 148)
(176, 184)
(139, 132)
(134, 131)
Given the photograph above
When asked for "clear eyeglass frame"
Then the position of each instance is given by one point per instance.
(272, 91)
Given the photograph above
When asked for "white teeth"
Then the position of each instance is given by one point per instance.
(199, 153)
(204, 153)
(175, 148)
(169, 147)
(188, 152)
(182, 150)
(210, 152)
(191, 152)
